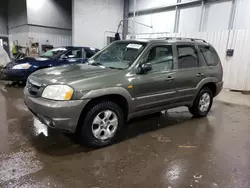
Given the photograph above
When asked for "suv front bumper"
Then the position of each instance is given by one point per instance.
(62, 115)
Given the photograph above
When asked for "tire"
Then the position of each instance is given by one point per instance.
(199, 110)
(91, 124)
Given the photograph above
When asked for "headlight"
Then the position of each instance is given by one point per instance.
(22, 66)
(58, 92)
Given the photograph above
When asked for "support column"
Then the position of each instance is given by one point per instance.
(125, 17)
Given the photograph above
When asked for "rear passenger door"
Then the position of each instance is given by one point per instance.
(189, 73)
(156, 88)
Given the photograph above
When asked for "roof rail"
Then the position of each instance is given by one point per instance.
(182, 38)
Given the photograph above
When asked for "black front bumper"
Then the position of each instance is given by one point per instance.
(14, 75)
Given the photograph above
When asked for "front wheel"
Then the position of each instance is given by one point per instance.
(202, 103)
(102, 124)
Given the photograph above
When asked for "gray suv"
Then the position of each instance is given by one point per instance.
(126, 79)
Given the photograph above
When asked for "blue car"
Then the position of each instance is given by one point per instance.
(20, 70)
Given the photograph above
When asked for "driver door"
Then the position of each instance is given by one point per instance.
(156, 87)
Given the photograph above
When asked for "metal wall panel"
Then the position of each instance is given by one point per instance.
(53, 39)
(239, 67)
(190, 19)
(20, 34)
(91, 19)
(217, 16)
(242, 15)
(145, 4)
(56, 37)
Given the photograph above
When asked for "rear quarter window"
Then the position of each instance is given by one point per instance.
(209, 55)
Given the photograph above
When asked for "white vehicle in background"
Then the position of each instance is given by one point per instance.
(4, 57)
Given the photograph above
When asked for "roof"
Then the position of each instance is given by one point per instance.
(170, 40)
(69, 47)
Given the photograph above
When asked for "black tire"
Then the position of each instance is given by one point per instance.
(87, 137)
(195, 109)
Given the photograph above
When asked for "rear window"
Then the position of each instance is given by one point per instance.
(209, 55)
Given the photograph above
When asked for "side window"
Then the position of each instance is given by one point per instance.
(89, 52)
(187, 57)
(209, 55)
(161, 58)
(77, 53)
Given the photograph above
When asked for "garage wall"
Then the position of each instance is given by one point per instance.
(217, 16)
(43, 21)
(92, 18)
(161, 22)
(187, 18)
(56, 37)
(3, 19)
(21, 34)
(147, 4)
(17, 13)
(242, 16)
(50, 13)
(50, 21)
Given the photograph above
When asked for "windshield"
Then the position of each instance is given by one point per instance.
(55, 52)
(118, 55)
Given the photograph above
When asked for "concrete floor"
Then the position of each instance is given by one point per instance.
(171, 150)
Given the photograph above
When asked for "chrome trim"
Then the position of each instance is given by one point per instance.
(154, 95)
(182, 90)
(34, 82)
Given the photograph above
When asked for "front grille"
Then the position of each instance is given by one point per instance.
(32, 88)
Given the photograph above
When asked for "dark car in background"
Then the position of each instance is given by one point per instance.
(20, 70)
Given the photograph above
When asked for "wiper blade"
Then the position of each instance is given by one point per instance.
(115, 68)
(97, 64)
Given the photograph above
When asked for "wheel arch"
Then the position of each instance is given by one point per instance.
(116, 98)
(117, 95)
(208, 82)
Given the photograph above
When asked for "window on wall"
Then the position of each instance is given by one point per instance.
(161, 58)
(209, 55)
(187, 57)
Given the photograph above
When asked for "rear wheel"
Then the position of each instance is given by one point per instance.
(102, 124)
(202, 103)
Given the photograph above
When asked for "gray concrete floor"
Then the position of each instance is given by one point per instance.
(170, 150)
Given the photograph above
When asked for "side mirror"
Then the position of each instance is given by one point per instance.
(145, 68)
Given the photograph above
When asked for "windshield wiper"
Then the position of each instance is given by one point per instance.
(100, 64)
(97, 64)
(116, 68)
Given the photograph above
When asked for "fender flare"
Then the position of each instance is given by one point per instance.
(110, 91)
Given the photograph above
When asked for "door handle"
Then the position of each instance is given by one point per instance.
(199, 74)
(170, 78)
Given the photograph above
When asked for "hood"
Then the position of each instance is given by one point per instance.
(70, 74)
(31, 59)
(36, 61)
